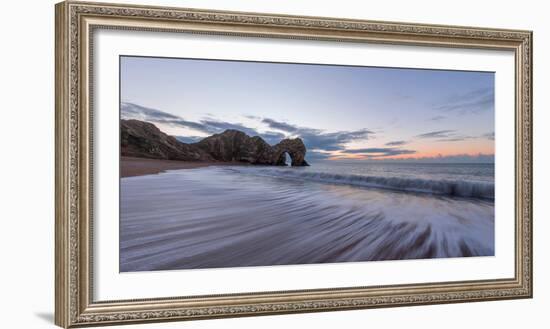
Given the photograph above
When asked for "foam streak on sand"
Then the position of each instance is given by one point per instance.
(231, 216)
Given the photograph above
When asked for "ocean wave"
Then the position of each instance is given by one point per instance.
(467, 189)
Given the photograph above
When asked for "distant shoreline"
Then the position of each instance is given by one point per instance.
(132, 166)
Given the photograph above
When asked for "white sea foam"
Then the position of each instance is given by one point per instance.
(460, 188)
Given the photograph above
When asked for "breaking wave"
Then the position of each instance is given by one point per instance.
(467, 189)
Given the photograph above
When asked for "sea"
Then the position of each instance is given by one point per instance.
(329, 212)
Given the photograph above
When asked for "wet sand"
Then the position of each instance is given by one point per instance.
(131, 166)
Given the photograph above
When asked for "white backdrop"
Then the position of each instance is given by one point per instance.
(26, 175)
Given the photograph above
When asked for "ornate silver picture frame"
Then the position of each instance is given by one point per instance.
(76, 24)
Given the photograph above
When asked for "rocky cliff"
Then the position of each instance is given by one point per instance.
(145, 140)
(234, 145)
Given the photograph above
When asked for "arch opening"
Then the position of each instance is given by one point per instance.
(288, 159)
(285, 159)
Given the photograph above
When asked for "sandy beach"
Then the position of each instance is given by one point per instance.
(131, 166)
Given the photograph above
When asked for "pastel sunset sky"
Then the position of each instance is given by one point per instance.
(340, 112)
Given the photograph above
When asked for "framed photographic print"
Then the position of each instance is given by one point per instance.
(218, 164)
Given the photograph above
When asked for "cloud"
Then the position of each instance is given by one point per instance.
(437, 134)
(189, 139)
(186, 124)
(320, 144)
(272, 137)
(220, 126)
(474, 101)
(332, 141)
(379, 151)
(401, 96)
(207, 126)
(138, 112)
(445, 136)
(455, 139)
(130, 110)
(316, 155)
(317, 139)
(396, 143)
(458, 158)
(279, 125)
(437, 118)
(490, 135)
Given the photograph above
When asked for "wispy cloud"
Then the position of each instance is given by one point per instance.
(317, 155)
(437, 118)
(396, 143)
(490, 135)
(445, 136)
(457, 158)
(134, 111)
(474, 101)
(379, 151)
(189, 139)
(457, 138)
(207, 126)
(320, 144)
(332, 141)
(317, 139)
(437, 134)
(401, 96)
(279, 125)
(219, 126)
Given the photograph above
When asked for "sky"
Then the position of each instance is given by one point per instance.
(340, 112)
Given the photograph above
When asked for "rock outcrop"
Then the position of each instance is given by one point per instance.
(145, 140)
(294, 147)
(234, 145)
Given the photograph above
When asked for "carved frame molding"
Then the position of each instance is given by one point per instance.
(76, 22)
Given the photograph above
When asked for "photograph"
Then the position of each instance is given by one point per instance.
(229, 163)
